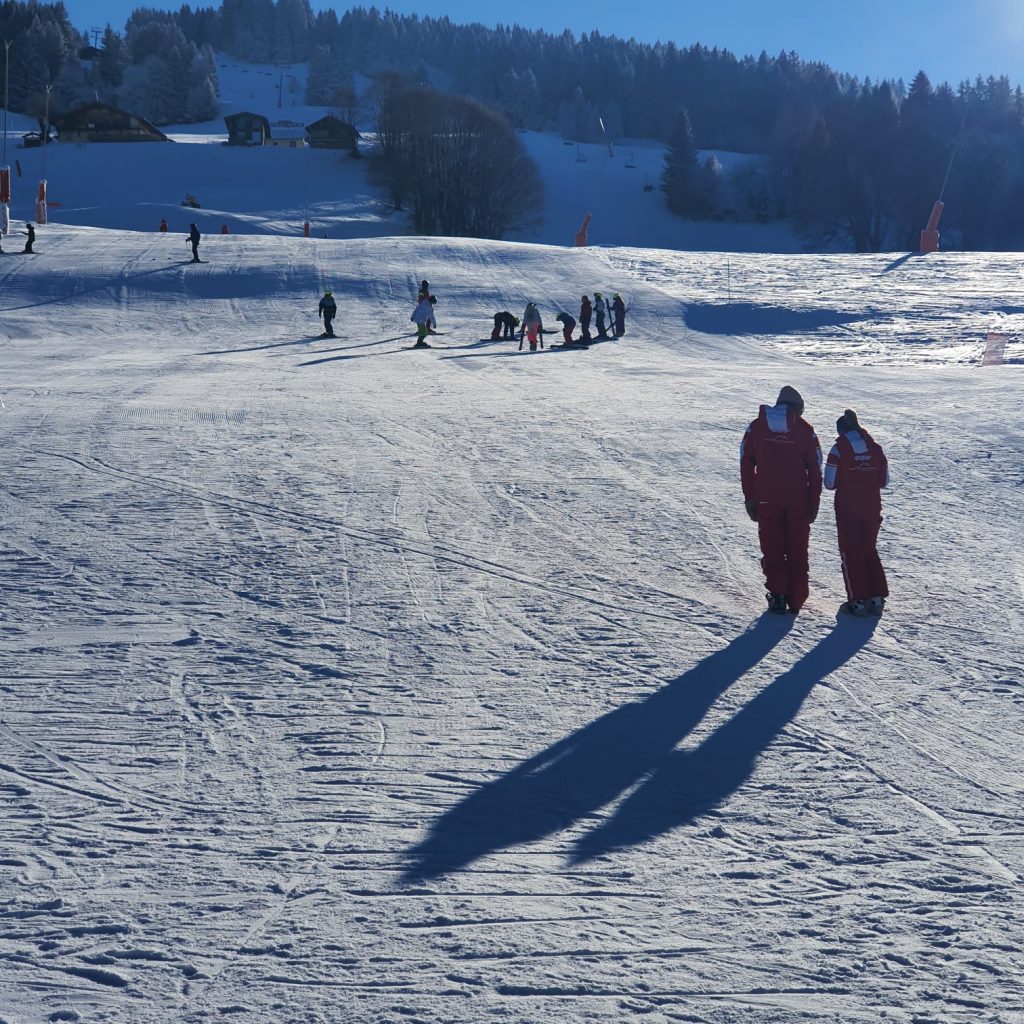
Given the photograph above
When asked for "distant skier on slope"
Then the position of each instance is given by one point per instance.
(586, 312)
(30, 240)
(857, 470)
(533, 327)
(780, 470)
(328, 310)
(423, 317)
(193, 237)
(618, 316)
(599, 315)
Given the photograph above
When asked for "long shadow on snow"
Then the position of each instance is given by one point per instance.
(900, 261)
(587, 770)
(364, 355)
(551, 349)
(106, 286)
(256, 348)
(746, 318)
(687, 784)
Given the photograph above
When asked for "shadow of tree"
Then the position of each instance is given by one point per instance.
(689, 783)
(590, 768)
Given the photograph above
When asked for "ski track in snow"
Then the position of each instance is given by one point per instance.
(339, 682)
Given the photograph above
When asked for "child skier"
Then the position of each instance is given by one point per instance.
(533, 327)
(423, 317)
(328, 309)
(618, 316)
(599, 314)
(586, 311)
(505, 325)
(568, 325)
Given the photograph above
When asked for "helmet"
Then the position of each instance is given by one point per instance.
(616, 296)
(597, 295)
(327, 291)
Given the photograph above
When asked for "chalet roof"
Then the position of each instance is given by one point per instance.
(102, 117)
(330, 122)
(246, 117)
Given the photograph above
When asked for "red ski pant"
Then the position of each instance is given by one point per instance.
(862, 568)
(567, 334)
(784, 534)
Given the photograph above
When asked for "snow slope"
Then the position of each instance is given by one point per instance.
(340, 682)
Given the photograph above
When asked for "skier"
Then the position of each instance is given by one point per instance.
(193, 237)
(533, 327)
(505, 325)
(30, 240)
(423, 317)
(163, 226)
(328, 309)
(599, 314)
(568, 325)
(618, 316)
(424, 292)
(586, 311)
(780, 469)
(857, 470)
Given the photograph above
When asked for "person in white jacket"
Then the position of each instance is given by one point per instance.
(423, 318)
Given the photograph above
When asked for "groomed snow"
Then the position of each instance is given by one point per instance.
(340, 682)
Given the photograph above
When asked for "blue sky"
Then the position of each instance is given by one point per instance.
(950, 39)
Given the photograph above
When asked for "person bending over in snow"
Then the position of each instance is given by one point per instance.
(505, 325)
(857, 470)
(780, 469)
(328, 309)
(423, 317)
(568, 326)
(533, 328)
(618, 316)
(586, 311)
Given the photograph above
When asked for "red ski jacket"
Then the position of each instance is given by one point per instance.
(857, 470)
(780, 460)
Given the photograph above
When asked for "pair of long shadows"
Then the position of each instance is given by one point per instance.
(637, 744)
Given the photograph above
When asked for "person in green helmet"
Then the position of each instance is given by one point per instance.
(328, 310)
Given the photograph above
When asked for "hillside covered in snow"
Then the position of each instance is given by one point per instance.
(343, 682)
(270, 190)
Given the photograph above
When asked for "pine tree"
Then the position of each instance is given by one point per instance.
(679, 179)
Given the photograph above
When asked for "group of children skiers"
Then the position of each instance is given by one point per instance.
(781, 476)
(531, 326)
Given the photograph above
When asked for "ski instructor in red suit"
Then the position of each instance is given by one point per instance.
(857, 470)
(780, 468)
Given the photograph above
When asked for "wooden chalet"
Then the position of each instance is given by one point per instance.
(247, 129)
(96, 122)
(331, 132)
(287, 134)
